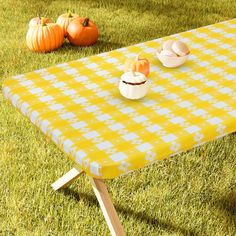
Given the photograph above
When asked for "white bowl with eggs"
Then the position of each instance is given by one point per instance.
(173, 53)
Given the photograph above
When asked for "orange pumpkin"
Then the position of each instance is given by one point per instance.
(37, 20)
(138, 64)
(44, 37)
(82, 32)
(64, 20)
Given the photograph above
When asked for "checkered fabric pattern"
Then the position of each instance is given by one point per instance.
(78, 104)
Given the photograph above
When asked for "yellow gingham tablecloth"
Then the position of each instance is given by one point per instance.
(78, 104)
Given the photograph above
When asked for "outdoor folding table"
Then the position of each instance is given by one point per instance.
(78, 105)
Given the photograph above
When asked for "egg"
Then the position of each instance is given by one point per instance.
(133, 85)
(180, 48)
(168, 53)
(167, 45)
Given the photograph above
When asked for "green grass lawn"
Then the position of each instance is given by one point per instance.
(190, 194)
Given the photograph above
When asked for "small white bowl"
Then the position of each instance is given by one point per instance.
(171, 62)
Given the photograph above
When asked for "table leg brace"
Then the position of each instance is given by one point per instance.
(102, 195)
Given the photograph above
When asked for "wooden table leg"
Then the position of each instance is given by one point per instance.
(66, 179)
(107, 207)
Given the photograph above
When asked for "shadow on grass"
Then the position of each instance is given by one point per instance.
(140, 216)
(100, 47)
(227, 204)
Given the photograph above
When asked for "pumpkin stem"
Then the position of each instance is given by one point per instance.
(137, 57)
(86, 21)
(70, 14)
(43, 23)
(132, 72)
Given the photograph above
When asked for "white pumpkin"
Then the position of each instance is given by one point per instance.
(133, 85)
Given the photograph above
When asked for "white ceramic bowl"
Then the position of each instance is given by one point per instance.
(171, 62)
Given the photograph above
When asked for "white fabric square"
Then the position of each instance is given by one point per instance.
(154, 128)
(36, 90)
(233, 113)
(79, 125)
(59, 84)
(177, 120)
(191, 90)
(225, 90)
(127, 110)
(178, 82)
(149, 103)
(102, 72)
(46, 98)
(114, 101)
(119, 156)
(80, 100)
(91, 135)
(103, 94)
(197, 76)
(26, 83)
(171, 96)
(199, 112)
(205, 97)
(211, 83)
(216, 70)
(69, 92)
(113, 80)
(214, 120)
(44, 125)
(49, 77)
(104, 145)
(81, 78)
(158, 89)
(62, 65)
(144, 147)
(130, 136)
(91, 65)
(112, 60)
(14, 99)
(67, 115)
(67, 144)
(55, 134)
(91, 108)
(204, 64)
(228, 35)
(148, 50)
(192, 129)
(6, 91)
(80, 155)
(71, 71)
(163, 111)
(95, 168)
(169, 138)
(104, 117)
(185, 104)
(233, 64)
(91, 86)
(139, 119)
(220, 105)
(230, 77)
(116, 126)
(33, 116)
(56, 107)
(24, 107)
